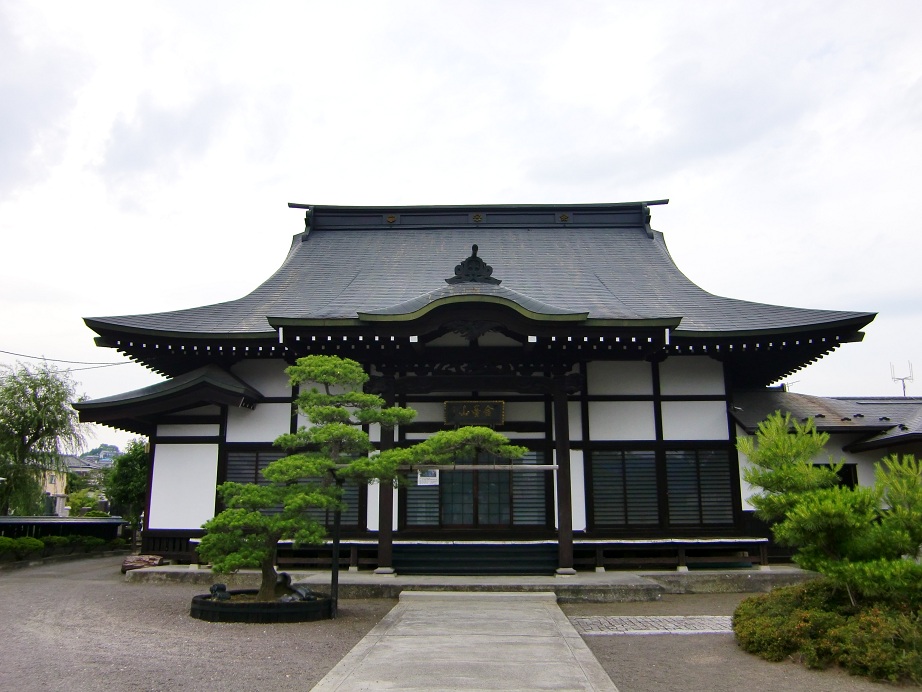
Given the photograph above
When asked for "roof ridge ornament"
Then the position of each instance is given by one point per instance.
(473, 270)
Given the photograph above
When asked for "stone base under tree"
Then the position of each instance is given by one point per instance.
(204, 607)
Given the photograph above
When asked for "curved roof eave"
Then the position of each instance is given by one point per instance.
(102, 326)
(209, 384)
(407, 312)
(853, 324)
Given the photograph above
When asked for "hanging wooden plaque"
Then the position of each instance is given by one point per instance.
(475, 412)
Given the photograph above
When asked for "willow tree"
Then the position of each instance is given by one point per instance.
(37, 425)
(334, 448)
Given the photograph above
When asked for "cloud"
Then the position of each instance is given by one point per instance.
(158, 140)
(38, 90)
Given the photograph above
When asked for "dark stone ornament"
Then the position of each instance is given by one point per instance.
(219, 592)
(473, 270)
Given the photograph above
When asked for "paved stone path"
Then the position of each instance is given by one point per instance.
(653, 624)
(451, 640)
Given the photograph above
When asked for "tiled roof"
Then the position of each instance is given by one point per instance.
(347, 265)
(887, 421)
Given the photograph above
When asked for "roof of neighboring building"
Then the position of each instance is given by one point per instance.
(886, 421)
(80, 464)
(599, 263)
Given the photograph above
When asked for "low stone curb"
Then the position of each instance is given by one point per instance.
(583, 588)
(52, 559)
(729, 582)
(652, 624)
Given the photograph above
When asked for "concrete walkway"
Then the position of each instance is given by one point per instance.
(450, 640)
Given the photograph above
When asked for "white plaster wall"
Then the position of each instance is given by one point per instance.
(262, 424)
(188, 430)
(695, 420)
(372, 490)
(183, 485)
(621, 420)
(746, 490)
(577, 492)
(578, 489)
(628, 377)
(268, 376)
(691, 375)
(574, 420)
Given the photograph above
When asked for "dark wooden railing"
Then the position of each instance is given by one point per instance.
(106, 528)
(671, 553)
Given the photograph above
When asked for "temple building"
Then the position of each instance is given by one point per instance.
(567, 328)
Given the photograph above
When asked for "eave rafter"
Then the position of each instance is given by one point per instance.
(755, 358)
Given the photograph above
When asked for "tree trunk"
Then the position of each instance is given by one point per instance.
(269, 578)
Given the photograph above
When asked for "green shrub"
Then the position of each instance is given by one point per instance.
(872, 643)
(96, 513)
(55, 540)
(910, 633)
(73, 543)
(7, 548)
(70, 543)
(26, 546)
(786, 621)
(816, 649)
(90, 543)
(117, 543)
(56, 544)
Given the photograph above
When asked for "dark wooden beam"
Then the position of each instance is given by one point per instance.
(564, 502)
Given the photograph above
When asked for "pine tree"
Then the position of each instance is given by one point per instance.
(331, 450)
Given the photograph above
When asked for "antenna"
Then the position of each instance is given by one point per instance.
(902, 380)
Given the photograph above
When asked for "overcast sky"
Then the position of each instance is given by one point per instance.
(148, 150)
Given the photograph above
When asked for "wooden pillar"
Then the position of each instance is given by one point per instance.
(564, 502)
(386, 500)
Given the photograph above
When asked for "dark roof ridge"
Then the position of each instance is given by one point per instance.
(475, 207)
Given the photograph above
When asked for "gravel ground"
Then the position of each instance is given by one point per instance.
(80, 626)
(699, 662)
